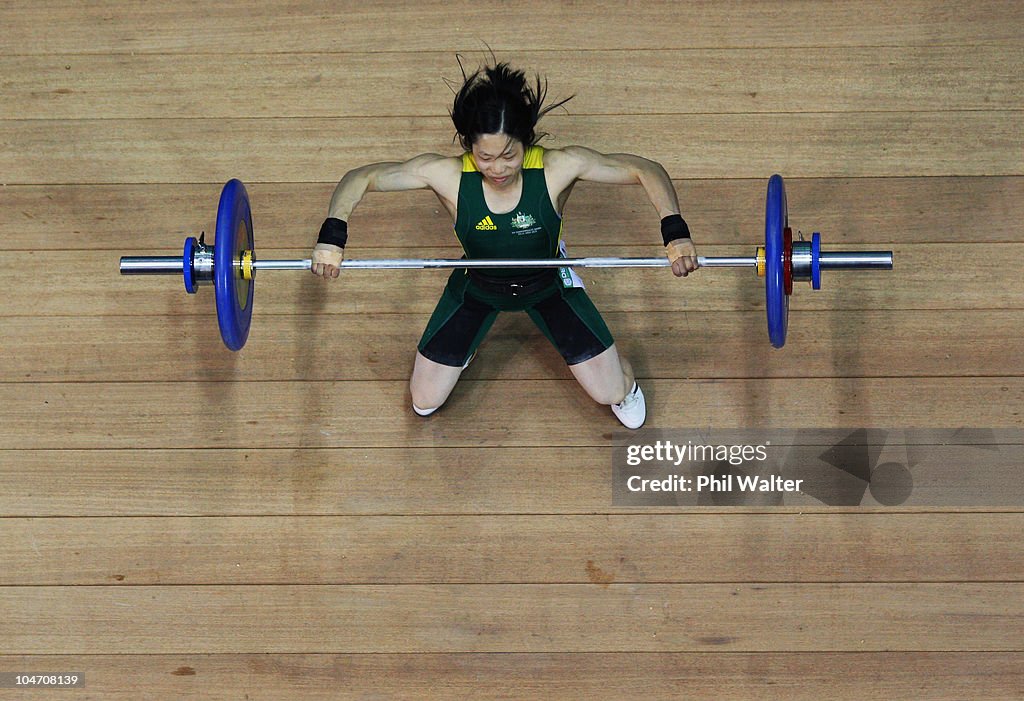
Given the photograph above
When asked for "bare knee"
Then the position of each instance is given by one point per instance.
(427, 398)
(607, 378)
(610, 393)
(603, 389)
(431, 383)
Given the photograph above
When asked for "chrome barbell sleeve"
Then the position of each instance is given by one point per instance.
(151, 265)
(862, 260)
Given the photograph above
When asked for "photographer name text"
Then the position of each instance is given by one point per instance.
(711, 483)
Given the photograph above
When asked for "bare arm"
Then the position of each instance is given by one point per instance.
(425, 171)
(580, 163)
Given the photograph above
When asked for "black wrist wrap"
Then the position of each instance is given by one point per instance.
(334, 231)
(673, 227)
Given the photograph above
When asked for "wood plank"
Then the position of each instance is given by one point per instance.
(513, 618)
(304, 482)
(196, 27)
(442, 480)
(889, 79)
(624, 549)
(811, 676)
(479, 413)
(859, 144)
(381, 347)
(984, 278)
(288, 215)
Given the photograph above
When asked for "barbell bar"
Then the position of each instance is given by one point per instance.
(173, 265)
(230, 263)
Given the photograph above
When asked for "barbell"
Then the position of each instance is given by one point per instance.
(230, 263)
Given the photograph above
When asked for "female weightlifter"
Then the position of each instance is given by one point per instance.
(506, 195)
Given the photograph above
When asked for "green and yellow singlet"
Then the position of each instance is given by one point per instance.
(531, 230)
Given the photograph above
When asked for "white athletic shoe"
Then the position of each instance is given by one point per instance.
(632, 411)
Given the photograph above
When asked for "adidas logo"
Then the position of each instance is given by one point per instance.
(486, 224)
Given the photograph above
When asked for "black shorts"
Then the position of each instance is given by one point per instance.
(466, 312)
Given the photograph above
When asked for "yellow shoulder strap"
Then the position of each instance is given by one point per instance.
(534, 157)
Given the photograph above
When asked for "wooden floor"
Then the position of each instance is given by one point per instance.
(177, 521)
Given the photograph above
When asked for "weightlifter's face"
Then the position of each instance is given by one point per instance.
(499, 158)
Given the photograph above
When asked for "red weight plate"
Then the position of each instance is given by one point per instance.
(787, 260)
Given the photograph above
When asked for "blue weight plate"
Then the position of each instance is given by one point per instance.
(188, 270)
(816, 261)
(234, 294)
(776, 220)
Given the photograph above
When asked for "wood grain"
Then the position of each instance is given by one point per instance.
(287, 215)
(716, 345)
(445, 480)
(854, 144)
(602, 550)
(377, 414)
(296, 27)
(710, 676)
(721, 81)
(513, 618)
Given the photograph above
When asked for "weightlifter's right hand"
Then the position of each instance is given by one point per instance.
(327, 260)
(330, 249)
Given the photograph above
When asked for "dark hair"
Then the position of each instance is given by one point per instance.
(498, 100)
